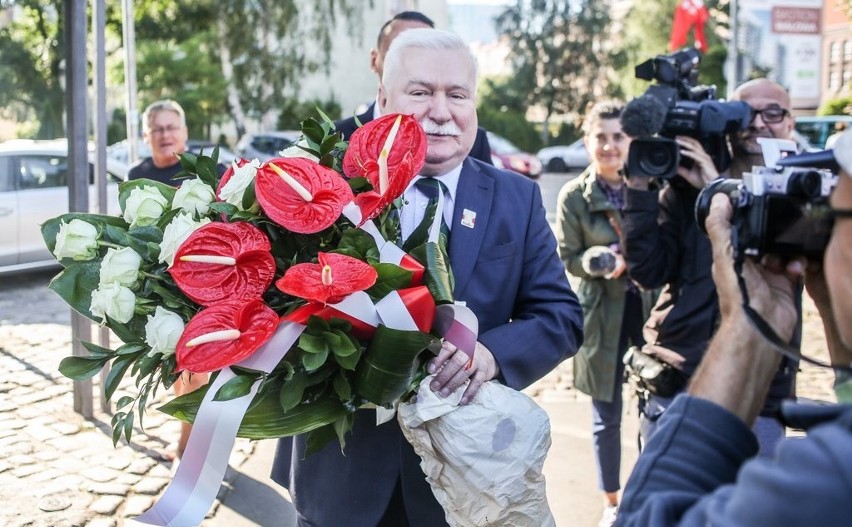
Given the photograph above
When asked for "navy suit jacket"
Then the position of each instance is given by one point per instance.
(480, 150)
(507, 271)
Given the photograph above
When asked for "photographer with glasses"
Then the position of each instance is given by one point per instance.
(695, 470)
(663, 247)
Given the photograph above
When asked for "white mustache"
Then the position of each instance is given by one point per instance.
(433, 128)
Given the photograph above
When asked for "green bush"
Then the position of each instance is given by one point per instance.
(838, 106)
(512, 125)
(294, 112)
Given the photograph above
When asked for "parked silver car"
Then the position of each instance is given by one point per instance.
(34, 188)
(266, 145)
(564, 158)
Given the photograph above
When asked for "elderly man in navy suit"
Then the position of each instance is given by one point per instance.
(507, 271)
(481, 149)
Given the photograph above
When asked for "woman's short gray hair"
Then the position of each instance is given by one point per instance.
(427, 38)
(164, 105)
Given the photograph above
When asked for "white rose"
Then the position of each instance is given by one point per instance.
(194, 196)
(175, 233)
(120, 266)
(144, 206)
(232, 192)
(77, 239)
(162, 331)
(113, 300)
(294, 151)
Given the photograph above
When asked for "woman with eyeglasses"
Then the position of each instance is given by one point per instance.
(663, 247)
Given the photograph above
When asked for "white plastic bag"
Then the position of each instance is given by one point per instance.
(483, 460)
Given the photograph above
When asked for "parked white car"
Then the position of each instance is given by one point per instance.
(564, 158)
(34, 188)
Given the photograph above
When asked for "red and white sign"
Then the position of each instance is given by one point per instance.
(795, 20)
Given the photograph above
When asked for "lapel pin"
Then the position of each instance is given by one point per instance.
(468, 218)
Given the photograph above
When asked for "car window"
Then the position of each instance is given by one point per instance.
(264, 144)
(7, 182)
(43, 171)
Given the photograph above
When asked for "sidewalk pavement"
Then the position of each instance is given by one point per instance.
(58, 469)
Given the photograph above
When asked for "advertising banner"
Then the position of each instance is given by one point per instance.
(782, 37)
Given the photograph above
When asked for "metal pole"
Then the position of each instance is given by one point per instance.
(732, 64)
(78, 163)
(100, 121)
(130, 79)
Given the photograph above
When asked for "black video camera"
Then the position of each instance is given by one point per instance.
(781, 208)
(677, 106)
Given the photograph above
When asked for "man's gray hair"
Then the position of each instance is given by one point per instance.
(164, 105)
(426, 38)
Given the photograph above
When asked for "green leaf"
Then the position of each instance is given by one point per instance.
(317, 439)
(342, 427)
(342, 346)
(314, 361)
(349, 362)
(82, 368)
(123, 401)
(75, 285)
(342, 387)
(98, 351)
(438, 277)
(117, 427)
(313, 130)
(356, 243)
(313, 344)
(127, 349)
(292, 391)
(390, 278)
(223, 208)
(389, 365)
(123, 332)
(264, 419)
(128, 426)
(249, 196)
(235, 388)
(205, 168)
(116, 373)
(359, 183)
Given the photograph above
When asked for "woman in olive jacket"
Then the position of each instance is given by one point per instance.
(588, 230)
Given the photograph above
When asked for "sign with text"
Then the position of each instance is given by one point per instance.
(782, 37)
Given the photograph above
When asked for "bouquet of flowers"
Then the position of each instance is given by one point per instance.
(201, 277)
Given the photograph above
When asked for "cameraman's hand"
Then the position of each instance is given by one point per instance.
(703, 170)
(770, 284)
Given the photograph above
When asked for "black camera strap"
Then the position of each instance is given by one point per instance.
(769, 334)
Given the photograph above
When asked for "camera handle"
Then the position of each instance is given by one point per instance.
(768, 333)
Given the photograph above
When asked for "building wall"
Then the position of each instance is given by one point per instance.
(836, 79)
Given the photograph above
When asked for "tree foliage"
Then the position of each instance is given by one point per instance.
(179, 55)
(31, 55)
(562, 55)
(646, 32)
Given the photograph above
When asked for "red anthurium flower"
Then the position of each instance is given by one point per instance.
(224, 334)
(300, 194)
(389, 152)
(224, 261)
(330, 280)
